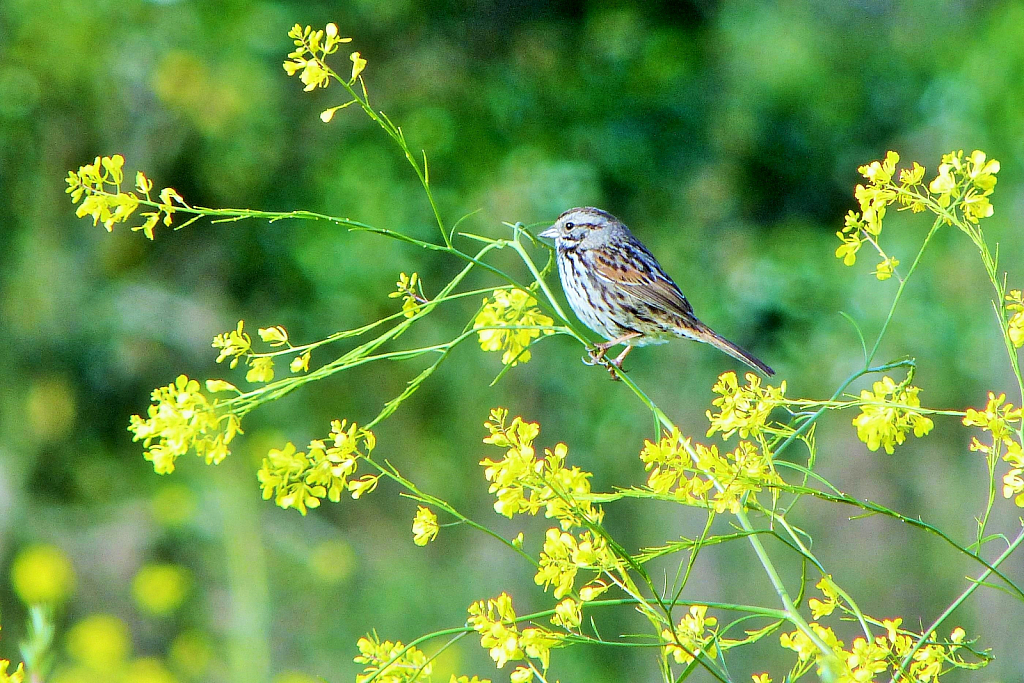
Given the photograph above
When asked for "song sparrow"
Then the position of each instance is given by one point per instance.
(618, 289)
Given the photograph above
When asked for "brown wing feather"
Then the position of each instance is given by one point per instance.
(651, 285)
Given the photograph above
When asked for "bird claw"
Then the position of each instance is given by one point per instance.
(596, 356)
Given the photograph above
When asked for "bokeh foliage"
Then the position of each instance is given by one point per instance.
(727, 136)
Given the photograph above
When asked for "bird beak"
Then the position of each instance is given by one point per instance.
(550, 233)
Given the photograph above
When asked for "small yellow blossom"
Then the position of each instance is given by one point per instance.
(761, 678)
(233, 344)
(275, 336)
(694, 471)
(849, 248)
(970, 180)
(495, 621)
(509, 321)
(410, 289)
(522, 674)
(363, 485)
(912, 176)
(568, 614)
(16, 676)
(867, 659)
(887, 415)
(880, 173)
(261, 369)
(996, 418)
(300, 363)
(1015, 325)
(424, 526)
(886, 268)
(387, 662)
(593, 590)
(215, 386)
(358, 64)
(999, 421)
(695, 633)
(824, 608)
(892, 627)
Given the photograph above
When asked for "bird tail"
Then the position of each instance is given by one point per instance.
(705, 334)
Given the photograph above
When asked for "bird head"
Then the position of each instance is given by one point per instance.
(584, 226)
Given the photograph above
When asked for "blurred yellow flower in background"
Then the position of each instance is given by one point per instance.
(42, 574)
(148, 670)
(100, 642)
(173, 504)
(161, 588)
(191, 653)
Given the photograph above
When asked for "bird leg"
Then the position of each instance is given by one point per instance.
(621, 357)
(598, 352)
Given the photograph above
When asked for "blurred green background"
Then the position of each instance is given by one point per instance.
(727, 135)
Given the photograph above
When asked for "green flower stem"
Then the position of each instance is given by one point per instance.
(395, 133)
(899, 292)
(465, 630)
(975, 584)
(806, 425)
(792, 615)
(392, 473)
(241, 405)
(875, 508)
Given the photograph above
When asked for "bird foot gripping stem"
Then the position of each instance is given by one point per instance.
(596, 356)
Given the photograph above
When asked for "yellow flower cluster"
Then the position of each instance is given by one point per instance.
(16, 676)
(744, 471)
(300, 480)
(1015, 310)
(389, 662)
(509, 321)
(410, 289)
(962, 187)
(695, 633)
(866, 225)
(237, 344)
(183, 418)
(823, 608)
(523, 483)
(311, 49)
(495, 621)
(424, 526)
(99, 183)
(998, 419)
(865, 659)
(565, 554)
(887, 415)
(743, 409)
(968, 181)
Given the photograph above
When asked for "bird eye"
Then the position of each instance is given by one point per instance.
(570, 226)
